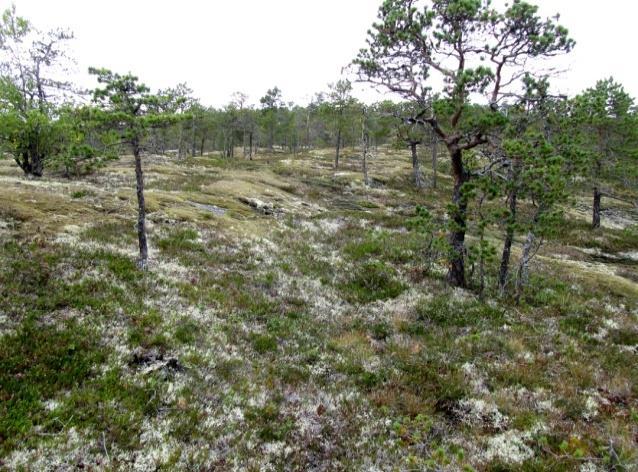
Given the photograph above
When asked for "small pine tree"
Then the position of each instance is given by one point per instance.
(127, 106)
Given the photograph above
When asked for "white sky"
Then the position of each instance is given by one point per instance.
(221, 46)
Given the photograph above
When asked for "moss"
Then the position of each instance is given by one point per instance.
(263, 343)
(80, 194)
(271, 425)
(147, 330)
(442, 310)
(381, 331)
(228, 369)
(37, 363)
(372, 281)
(186, 331)
(319, 367)
(114, 406)
(182, 244)
(111, 232)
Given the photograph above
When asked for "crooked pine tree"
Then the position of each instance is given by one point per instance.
(470, 48)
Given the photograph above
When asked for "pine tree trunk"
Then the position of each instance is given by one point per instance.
(180, 145)
(596, 211)
(523, 266)
(37, 164)
(435, 155)
(193, 145)
(365, 143)
(141, 208)
(481, 268)
(418, 177)
(507, 244)
(456, 236)
(338, 148)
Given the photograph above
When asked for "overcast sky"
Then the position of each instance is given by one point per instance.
(221, 46)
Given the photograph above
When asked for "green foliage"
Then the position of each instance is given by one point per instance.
(434, 245)
(272, 425)
(32, 131)
(85, 147)
(473, 49)
(263, 343)
(408, 46)
(112, 405)
(186, 331)
(442, 311)
(338, 109)
(36, 363)
(126, 106)
(272, 106)
(605, 123)
(30, 138)
(180, 243)
(372, 281)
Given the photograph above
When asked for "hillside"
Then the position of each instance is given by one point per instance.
(286, 322)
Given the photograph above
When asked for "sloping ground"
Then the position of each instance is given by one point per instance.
(286, 323)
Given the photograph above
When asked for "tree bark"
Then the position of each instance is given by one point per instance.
(435, 155)
(308, 130)
(456, 236)
(365, 143)
(596, 210)
(523, 267)
(180, 145)
(193, 141)
(507, 244)
(418, 177)
(201, 146)
(31, 164)
(141, 208)
(338, 148)
(272, 138)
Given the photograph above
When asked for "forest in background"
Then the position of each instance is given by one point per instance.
(458, 263)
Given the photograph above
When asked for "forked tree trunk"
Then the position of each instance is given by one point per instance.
(418, 177)
(141, 208)
(30, 165)
(32, 161)
(596, 210)
(456, 236)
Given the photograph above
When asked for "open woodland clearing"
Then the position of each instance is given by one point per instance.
(308, 337)
(442, 280)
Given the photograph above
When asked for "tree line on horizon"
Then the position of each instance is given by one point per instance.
(516, 157)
